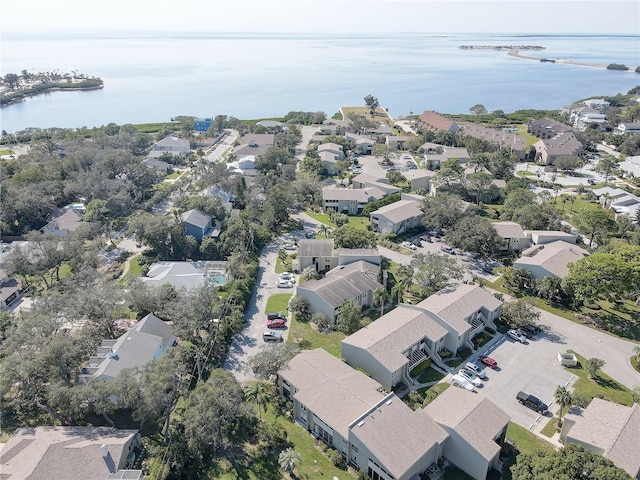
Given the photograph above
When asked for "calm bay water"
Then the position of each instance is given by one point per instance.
(151, 78)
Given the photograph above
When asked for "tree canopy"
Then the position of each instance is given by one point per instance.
(572, 462)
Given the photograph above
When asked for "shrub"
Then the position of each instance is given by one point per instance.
(336, 458)
(444, 353)
(420, 368)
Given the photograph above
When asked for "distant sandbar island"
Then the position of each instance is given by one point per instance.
(502, 47)
(15, 87)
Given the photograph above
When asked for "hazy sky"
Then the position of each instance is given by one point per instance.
(330, 16)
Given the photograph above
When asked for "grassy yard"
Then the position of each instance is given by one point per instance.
(173, 175)
(430, 375)
(6, 152)
(302, 335)
(362, 222)
(621, 320)
(525, 441)
(380, 115)
(284, 267)
(602, 387)
(155, 127)
(522, 130)
(278, 302)
(437, 388)
(135, 270)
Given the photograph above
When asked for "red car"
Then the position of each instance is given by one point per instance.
(488, 361)
(276, 323)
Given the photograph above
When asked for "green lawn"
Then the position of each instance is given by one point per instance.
(602, 387)
(155, 127)
(430, 375)
(438, 388)
(551, 427)
(522, 130)
(525, 441)
(380, 116)
(278, 302)
(135, 270)
(284, 267)
(302, 335)
(173, 175)
(362, 222)
(6, 152)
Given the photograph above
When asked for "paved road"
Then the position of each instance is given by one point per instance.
(249, 340)
(222, 146)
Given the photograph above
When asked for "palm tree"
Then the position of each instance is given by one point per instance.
(289, 459)
(404, 280)
(380, 297)
(323, 228)
(562, 398)
(636, 351)
(257, 391)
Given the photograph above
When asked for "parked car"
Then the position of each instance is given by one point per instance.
(529, 401)
(276, 323)
(488, 361)
(409, 245)
(447, 249)
(289, 246)
(530, 330)
(470, 377)
(276, 315)
(591, 181)
(426, 238)
(413, 166)
(476, 370)
(517, 335)
(309, 235)
(284, 284)
(288, 277)
(461, 382)
(269, 336)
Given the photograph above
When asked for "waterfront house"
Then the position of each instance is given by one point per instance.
(202, 124)
(502, 138)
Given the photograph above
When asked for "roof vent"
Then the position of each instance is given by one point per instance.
(361, 423)
(388, 402)
(104, 450)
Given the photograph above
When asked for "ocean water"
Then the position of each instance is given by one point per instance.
(153, 77)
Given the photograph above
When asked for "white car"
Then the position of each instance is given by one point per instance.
(409, 245)
(517, 336)
(461, 382)
(284, 284)
(288, 277)
(476, 370)
(290, 246)
(470, 377)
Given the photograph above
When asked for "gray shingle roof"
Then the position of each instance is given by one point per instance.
(62, 453)
(458, 301)
(399, 211)
(325, 383)
(136, 347)
(509, 230)
(396, 435)
(315, 247)
(386, 338)
(473, 417)
(613, 428)
(335, 289)
(195, 217)
(553, 257)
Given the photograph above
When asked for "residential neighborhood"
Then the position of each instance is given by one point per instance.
(436, 296)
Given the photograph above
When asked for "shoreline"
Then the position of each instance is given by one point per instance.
(516, 53)
(22, 97)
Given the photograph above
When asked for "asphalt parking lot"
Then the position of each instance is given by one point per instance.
(532, 367)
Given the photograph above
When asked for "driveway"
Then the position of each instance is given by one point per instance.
(249, 340)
